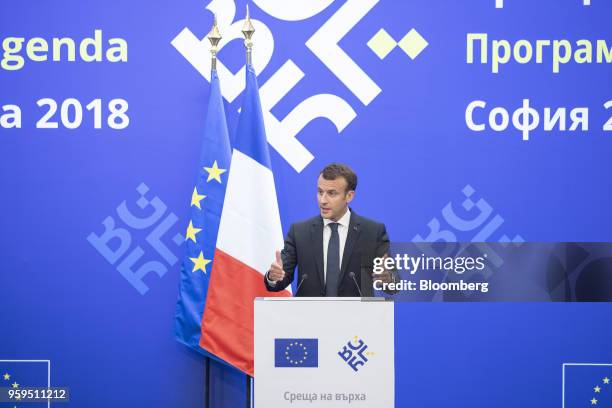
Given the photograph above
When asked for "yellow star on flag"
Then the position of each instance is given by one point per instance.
(191, 232)
(606, 380)
(196, 198)
(15, 385)
(7, 376)
(597, 389)
(593, 401)
(214, 172)
(200, 263)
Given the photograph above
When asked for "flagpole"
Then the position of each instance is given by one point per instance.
(214, 36)
(248, 30)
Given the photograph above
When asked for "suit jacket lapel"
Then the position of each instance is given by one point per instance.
(351, 240)
(316, 236)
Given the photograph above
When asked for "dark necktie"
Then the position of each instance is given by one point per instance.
(333, 261)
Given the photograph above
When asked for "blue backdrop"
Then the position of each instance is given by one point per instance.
(64, 299)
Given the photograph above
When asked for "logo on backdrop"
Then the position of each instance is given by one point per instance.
(296, 352)
(324, 44)
(471, 220)
(467, 218)
(115, 241)
(355, 354)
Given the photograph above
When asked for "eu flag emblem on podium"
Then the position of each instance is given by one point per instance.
(296, 352)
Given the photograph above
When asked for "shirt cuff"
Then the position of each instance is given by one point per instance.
(270, 282)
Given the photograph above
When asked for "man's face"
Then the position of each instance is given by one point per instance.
(333, 198)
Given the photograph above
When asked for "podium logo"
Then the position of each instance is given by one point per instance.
(296, 352)
(355, 354)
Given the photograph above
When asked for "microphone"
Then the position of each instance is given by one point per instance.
(304, 277)
(352, 275)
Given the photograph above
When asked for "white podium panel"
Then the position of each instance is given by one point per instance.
(324, 352)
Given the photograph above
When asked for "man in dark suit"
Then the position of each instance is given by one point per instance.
(333, 251)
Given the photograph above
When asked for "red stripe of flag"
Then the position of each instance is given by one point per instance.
(227, 324)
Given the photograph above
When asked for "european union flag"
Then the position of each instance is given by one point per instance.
(205, 213)
(296, 352)
(587, 385)
(20, 374)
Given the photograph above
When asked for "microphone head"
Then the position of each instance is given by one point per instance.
(305, 276)
(352, 274)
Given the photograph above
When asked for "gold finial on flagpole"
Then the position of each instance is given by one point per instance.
(248, 30)
(214, 36)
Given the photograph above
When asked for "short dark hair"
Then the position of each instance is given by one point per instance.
(335, 170)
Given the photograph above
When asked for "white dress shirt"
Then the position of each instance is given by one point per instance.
(343, 228)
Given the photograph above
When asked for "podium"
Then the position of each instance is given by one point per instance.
(324, 352)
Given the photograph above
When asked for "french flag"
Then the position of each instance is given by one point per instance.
(249, 235)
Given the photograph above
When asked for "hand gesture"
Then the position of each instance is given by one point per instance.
(276, 273)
